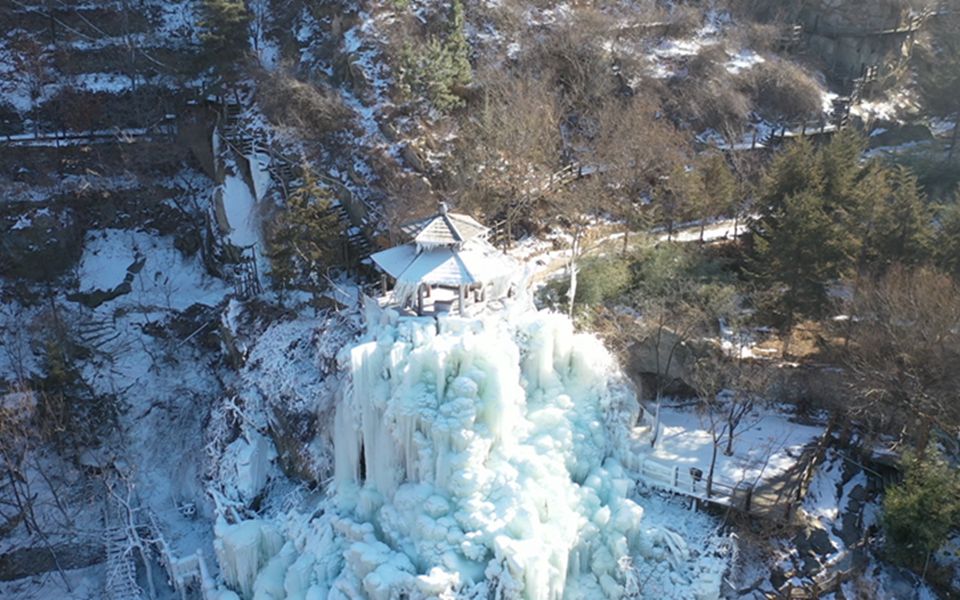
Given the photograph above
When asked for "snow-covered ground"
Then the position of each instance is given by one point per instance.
(766, 445)
(162, 278)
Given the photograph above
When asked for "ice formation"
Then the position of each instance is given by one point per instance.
(474, 458)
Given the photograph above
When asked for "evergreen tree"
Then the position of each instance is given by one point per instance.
(919, 513)
(457, 46)
(225, 32)
(439, 68)
(948, 238)
(866, 213)
(904, 228)
(799, 248)
(840, 165)
(305, 238)
(798, 169)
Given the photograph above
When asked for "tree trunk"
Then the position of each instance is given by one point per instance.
(656, 420)
(574, 250)
(713, 466)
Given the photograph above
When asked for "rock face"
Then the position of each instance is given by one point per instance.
(27, 562)
(852, 36)
(860, 16)
(672, 361)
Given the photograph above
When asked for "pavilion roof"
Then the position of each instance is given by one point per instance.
(444, 229)
(441, 265)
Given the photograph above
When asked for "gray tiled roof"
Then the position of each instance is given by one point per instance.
(444, 229)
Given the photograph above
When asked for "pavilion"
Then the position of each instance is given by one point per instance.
(447, 259)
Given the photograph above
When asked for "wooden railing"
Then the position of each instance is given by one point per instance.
(693, 482)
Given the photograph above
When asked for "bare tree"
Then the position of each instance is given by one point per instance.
(676, 313)
(904, 350)
(508, 149)
(634, 148)
(730, 386)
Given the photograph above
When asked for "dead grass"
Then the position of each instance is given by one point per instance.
(809, 341)
(315, 111)
(782, 90)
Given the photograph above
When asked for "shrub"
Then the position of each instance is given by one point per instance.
(783, 90)
(709, 96)
(919, 513)
(599, 280)
(315, 111)
(602, 280)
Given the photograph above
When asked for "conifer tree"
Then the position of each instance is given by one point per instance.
(225, 32)
(439, 68)
(948, 237)
(457, 46)
(919, 513)
(798, 250)
(840, 165)
(798, 169)
(305, 238)
(904, 226)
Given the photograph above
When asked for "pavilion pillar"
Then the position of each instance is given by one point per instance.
(463, 298)
(420, 300)
(383, 284)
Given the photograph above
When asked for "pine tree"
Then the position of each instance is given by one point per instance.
(919, 514)
(948, 238)
(305, 238)
(840, 165)
(225, 32)
(439, 68)
(457, 46)
(904, 228)
(798, 250)
(796, 170)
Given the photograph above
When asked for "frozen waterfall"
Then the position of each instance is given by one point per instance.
(474, 458)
